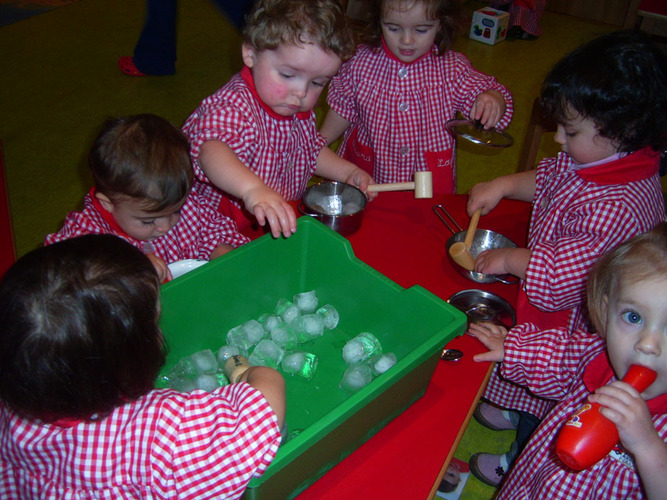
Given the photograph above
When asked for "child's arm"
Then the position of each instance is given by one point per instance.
(332, 166)
(623, 405)
(221, 250)
(512, 261)
(223, 168)
(486, 195)
(266, 380)
(488, 108)
(333, 127)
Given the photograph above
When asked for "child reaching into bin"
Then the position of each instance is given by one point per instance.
(254, 142)
(143, 194)
(609, 98)
(393, 98)
(80, 349)
(627, 301)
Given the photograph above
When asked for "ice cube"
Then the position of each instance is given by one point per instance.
(284, 336)
(206, 382)
(246, 334)
(300, 363)
(360, 348)
(383, 363)
(226, 352)
(306, 301)
(269, 321)
(330, 316)
(308, 327)
(204, 361)
(266, 353)
(355, 377)
(287, 310)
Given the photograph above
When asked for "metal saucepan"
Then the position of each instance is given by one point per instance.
(336, 204)
(473, 131)
(484, 240)
(480, 306)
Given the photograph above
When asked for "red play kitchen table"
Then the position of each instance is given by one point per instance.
(402, 238)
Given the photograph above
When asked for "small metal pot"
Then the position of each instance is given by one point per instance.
(336, 204)
(484, 240)
(480, 306)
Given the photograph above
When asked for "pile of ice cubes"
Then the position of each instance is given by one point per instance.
(276, 340)
(273, 340)
(365, 360)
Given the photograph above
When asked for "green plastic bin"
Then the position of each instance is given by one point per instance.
(200, 307)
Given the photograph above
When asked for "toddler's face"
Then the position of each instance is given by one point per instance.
(131, 216)
(409, 34)
(579, 137)
(290, 78)
(636, 329)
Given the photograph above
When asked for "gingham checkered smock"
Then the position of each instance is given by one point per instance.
(566, 367)
(398, 111)
(281, 150)
(166, 445)
(199, 231)
(577, 216)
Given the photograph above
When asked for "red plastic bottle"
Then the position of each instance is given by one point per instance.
(587, 437)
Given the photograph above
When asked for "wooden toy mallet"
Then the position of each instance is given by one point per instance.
(423, 185)
(460, 251)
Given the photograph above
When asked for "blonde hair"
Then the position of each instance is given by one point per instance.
(322, 22)
(639, 258)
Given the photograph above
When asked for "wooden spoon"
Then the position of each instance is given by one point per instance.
(460, 251)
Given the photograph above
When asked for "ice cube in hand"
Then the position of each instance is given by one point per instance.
(355, 377)
(306, 301)
(266, 353)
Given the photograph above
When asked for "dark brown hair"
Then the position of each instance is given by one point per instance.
(79, 331)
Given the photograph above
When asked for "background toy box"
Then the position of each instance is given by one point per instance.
(489, 25)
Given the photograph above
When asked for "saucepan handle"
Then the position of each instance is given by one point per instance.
(511, 281)
(442, 213)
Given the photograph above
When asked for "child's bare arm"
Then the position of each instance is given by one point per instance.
(333, 127)
(623, 405)
(333, 167)
(161, 267)
(504, 261)
(488, 108)
(221, 250)
(486, 195)
(266, 380)
(225, 170)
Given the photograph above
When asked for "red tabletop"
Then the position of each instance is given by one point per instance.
(403, 239)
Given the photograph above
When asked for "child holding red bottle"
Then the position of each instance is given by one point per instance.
(627, 300)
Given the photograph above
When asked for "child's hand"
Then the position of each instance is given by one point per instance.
(220, 250)
(622, 404)
(488, 108)
(361, 179)
(268, 206)
(503, 261)
(493, 337)
(161, 267)
(484, 195)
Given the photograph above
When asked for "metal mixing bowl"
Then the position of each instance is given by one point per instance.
(336, 204)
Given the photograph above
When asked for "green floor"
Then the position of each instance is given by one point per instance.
(59, 81)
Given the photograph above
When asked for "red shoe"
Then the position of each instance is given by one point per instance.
(126, 65)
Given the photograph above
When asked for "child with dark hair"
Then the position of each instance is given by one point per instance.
(627, 300)
(143, 194)
(254, 142)
(609, 98)
(393, 98)
(80, 349)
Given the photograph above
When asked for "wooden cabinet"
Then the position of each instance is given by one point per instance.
(615, 12)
